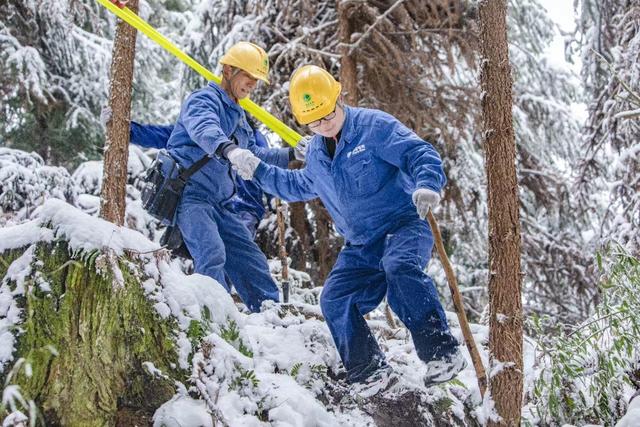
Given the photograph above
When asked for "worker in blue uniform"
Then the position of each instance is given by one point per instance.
(249, 203)
(212, 123)
(378, 180)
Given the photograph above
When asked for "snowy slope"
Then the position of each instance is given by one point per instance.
(278, 367)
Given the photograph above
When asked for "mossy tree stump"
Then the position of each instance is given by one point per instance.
(85, 336)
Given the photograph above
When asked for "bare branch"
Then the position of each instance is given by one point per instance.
(353, 46)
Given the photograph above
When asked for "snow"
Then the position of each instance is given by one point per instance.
(498, 366)
(182, 411)
(87, 233)
(307, 341)
(10, 313)
(16, 419)
(293, 406)
(11, 398)
(88, 177)
(278, 365)
(23, 235)
(190, 298)
(563, 14)
(487, 412)
(188, 295)
(632, 417)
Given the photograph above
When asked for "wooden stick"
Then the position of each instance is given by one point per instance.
(387, 313)
(282, 252)
(457, 302)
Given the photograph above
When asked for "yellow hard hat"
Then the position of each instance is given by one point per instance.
(250, 58)
(313, 93)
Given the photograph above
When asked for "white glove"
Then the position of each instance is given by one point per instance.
(300, 150)
(244, 161)
(425, 200)
(106, 114)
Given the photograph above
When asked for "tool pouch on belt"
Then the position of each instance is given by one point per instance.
(172, 240)
(164, 184)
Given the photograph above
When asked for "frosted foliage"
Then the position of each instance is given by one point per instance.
(55, 58)
(70, 67)
(25, 182)
(555, 246)
(611, 72)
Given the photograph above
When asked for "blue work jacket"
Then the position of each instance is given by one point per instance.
(208, 119)
(367, 186)
(149, 136)
(249, 194)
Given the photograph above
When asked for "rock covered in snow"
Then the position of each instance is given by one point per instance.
(183, 411)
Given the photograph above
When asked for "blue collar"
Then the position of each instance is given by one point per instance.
(348, 125)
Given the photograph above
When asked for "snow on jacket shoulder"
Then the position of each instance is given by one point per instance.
(367, 186)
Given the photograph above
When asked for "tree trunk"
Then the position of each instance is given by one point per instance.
(299, 222)
(325, 249)
(348, 70)
(505, 335)
(87, 339)
(116, 154)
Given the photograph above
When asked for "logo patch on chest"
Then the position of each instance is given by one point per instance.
(359, 149)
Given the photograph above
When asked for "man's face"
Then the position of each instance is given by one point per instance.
(330, 125)
(241, 83)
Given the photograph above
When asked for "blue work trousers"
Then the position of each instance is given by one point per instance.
(220, 243)
(250, 221)
(391, 266)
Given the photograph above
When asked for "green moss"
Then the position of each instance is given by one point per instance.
(102, 332)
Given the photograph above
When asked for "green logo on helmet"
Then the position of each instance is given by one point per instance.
(307, 99)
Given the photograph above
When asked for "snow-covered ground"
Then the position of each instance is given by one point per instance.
(293, 359)
(283, 361)
(277, 367)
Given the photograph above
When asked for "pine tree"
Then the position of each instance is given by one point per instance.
(49, 52)
(505, 334)
(54, 58)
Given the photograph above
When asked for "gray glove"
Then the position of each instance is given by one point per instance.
(425, 200)
(106, 114)
(244, 161)
(300, 150)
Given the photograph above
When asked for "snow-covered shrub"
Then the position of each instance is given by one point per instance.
(88, 175)
(587, 372)
(26, 182)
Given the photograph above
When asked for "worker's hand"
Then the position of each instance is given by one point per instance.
(106, 114)
(244, 161)
(425, 200)
(300, 150)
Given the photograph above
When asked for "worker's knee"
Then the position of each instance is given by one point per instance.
(332, 303)
(398, 267)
